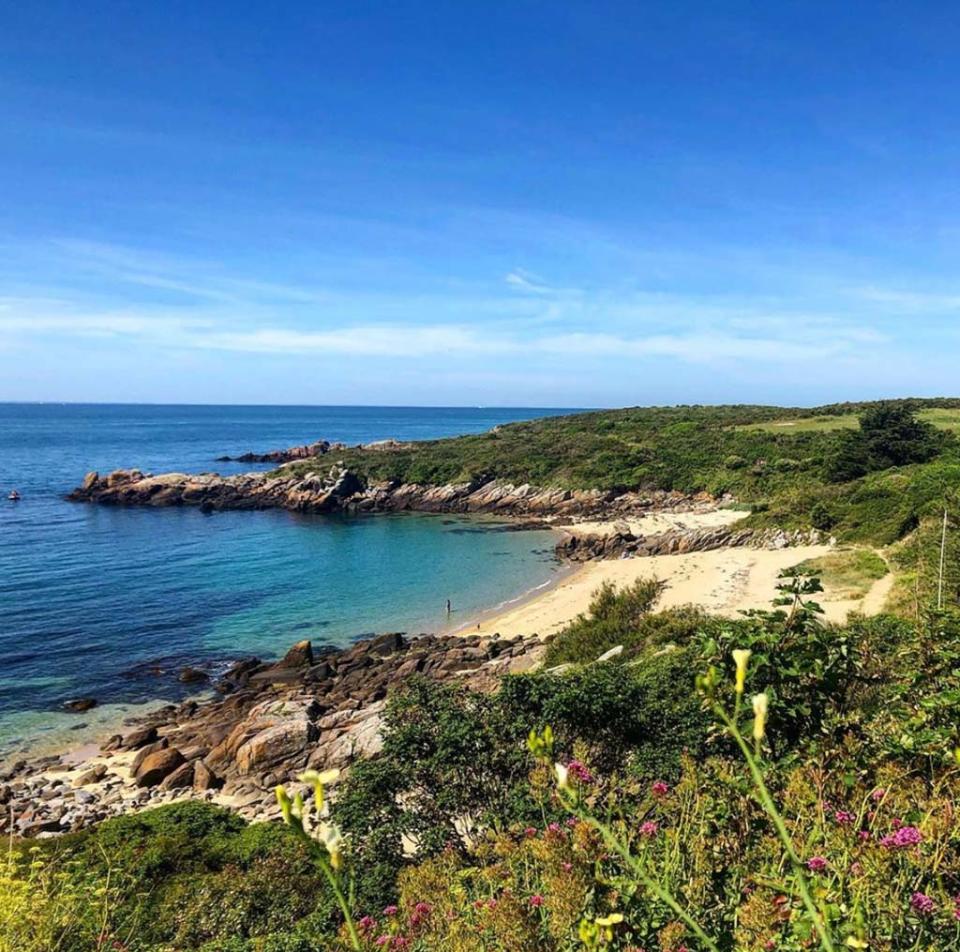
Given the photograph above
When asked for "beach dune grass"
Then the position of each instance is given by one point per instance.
(848, 573)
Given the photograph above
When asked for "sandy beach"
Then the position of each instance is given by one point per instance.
(722, 581)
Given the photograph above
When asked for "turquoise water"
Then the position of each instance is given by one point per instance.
(110, 602)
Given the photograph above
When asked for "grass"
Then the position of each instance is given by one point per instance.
(944, 418)
(848, 573)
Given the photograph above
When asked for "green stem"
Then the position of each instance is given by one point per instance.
(662, 894)
(335, 886)
(770, 807)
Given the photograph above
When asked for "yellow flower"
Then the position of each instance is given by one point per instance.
(855, 943)
(319, 781)
(284, 800)
(741, 656)
(759, 716)
(606, 923)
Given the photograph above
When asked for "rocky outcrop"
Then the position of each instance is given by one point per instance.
(290, 455)
(619, 545)
(337, 489)
(265, 724)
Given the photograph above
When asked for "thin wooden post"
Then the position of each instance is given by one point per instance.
(943, 547)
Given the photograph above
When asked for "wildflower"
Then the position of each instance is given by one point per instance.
(286, 805)
(563, 777)
(554, 828)
(580, 773)
(759, 716)
(854, 943)
(649, 828)
(423, 908)
(319, 780)
(541, 745)
(659, 789)
(741, 656)
(878, 794)
(864, 835)
(366, 925)
(816, 864)
(536, 900)
(902, 838)
(567, 867)
(856, 869)
(844, 817)
(390, 910)
(530, 831)
(606, 923)
(922, 904)
(956, 908)
(329, 834)
(572, 821)
(383, 940)
(400, 942)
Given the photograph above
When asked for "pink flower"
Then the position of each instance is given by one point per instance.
(844, 817)
(491, 903)
(816, 864)
(922, 904)
(567, 867)
(367, 924)
(956, 908)
(400, 942)
(903, 838)
(530, 831)
(864, 835)
(554, 828)
(390, 911)
(856, 869)
(649, 828)
(423, 909)
(878, 794)
(572, 821)
(383, 940)
(659, 789)
(576, 770)
(536, 901)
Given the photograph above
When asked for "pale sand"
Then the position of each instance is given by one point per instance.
(723, 582)
(657, 523)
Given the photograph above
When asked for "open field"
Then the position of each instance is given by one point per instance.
(941, 417)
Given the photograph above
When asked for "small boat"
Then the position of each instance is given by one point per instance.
(14, 496)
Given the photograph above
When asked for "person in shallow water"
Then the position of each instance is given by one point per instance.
(15, 497)
(449, 607)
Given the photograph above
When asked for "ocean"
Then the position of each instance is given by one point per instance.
(111, 603)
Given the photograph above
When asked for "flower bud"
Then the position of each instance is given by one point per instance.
(741, 656)
(759, 716)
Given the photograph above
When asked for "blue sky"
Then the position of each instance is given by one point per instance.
(513, 203)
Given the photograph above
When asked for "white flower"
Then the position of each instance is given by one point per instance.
(759, 716)
(563, 777)
(330, 836)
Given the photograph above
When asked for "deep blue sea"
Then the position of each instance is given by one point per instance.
(110, 603)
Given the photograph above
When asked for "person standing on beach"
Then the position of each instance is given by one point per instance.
(449, 607)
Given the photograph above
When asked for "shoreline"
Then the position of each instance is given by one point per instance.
(722, 582)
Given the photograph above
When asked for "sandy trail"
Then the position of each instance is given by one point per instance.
(723, 582)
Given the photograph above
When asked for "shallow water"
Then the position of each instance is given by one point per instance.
(111, 602)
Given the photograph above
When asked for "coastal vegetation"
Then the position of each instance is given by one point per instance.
(667, 781)
(872, 478)
(672, 822)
